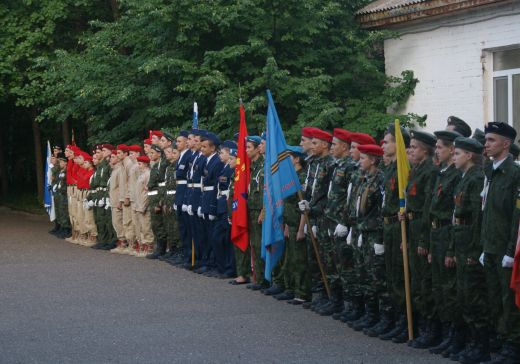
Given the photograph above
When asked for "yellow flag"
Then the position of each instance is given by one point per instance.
(403, 167)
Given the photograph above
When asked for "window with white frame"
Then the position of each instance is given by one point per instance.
(506, 87)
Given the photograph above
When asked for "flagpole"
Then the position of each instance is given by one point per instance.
(315, 246)
(409, 317)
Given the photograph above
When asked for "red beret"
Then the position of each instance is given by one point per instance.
(114, 152)
(107, 146)
(75, 150)
(135, 148)
(362, 138)
(307, 132)
(342, 134)
(371, 149)
(323, 135)
(87, 157)
(122, 147)
(143, 159)
(157, 133)
(148, 141)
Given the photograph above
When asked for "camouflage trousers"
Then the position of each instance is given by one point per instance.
(62, 210)
(172, 228)
(255, 236)
(421, 273)
(394, 265)
(328, 245)
(444, 280)
(294, 273)
(471, 283)
(372, 281)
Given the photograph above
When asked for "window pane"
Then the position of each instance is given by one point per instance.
(506, 60)
(500, 98)
(516, 102)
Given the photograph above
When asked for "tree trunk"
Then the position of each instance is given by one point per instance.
(65, 129)
(115, 9)
(4, 181)
(37, 154)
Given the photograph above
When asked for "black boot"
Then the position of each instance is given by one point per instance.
(470, 345)
(432, 338)
(160, 250)
(457, 344)
(55, 229)
(480, 352)
(400, 326)
(273, 290)
(371, 319)
(385, 325)
(448, 333)
(358, 310)
(336, 305)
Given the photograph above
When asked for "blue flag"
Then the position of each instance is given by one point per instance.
(48, 201)
(280, 182)
(195, 124)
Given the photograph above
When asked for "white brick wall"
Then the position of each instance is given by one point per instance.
(451, 58)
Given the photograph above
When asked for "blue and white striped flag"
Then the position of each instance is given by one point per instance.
(195, 124)
(48, 200)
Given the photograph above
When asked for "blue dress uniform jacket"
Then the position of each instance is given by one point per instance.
(210, 175)
(181, 175)
(224, 181)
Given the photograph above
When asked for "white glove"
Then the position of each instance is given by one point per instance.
(211, 217)
(107, 203)
(184, 208)
(481, 259)
(341, 231)
(175, 207)
(90, 204)
(199, 212)
(379, 249)
(349, 237)
(303, 205)
(507, 261)
(85, 204)
(360, 240)
(101, 202)
(315, 230)
(54, 188)
(190, 210)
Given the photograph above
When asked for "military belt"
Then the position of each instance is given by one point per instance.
(101, 189)
(194, 185)
(462, 221)
(182, 182)
(390, 220)
(162, 184)
(152, 193)
(171, 192)
(414, 215)
(224, 193)
(438, 223)
(208, 188)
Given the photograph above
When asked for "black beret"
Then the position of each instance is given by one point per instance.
(514, 149)
(460, 126)
(480, 136)
(426, 138)
(211, 137)
(500, 128)
(156, 148)
(406, 136)
(469, 144)
(229, 144)
(447, 135)
(184, 133)
(168, 136)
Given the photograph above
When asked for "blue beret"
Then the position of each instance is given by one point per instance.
(229, 144)
(184, 133)
(233, 152)
(255, 139)
(296, 149)
(211, 137)
(199, 132)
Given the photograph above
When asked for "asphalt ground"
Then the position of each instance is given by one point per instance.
(64, 303)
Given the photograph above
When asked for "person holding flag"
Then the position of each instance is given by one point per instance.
(239, 189)
(281, 181)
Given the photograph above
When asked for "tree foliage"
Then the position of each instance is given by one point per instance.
(145, 69)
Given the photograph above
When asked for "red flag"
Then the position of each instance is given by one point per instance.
(515, 277)
(239, 220)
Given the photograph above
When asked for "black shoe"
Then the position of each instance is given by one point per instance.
(457, 344)
(431, 338)
(400, 326)
(297, 301)
(448, 337)
(284, 296)
(273, 290)
(98, 246)
(384, 326)
(254, 287)
(401, 338)
(319, 303)
(507, 355)
(334, 307)
(370, 321)
(108, 246)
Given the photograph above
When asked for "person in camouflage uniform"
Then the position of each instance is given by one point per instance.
(499, 234)
(471, 287)
(418, 197)
(396, 326)
(321, 143)
(369, 200)
(168, 196)
(155, 203)
(255, 206)
(441, 251)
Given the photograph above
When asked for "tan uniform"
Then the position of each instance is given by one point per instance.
(141, 208)
(125, 191)
(116, 184)
(90, 224)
